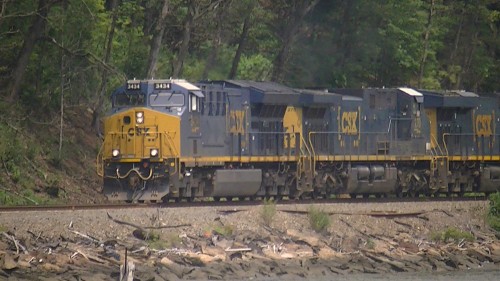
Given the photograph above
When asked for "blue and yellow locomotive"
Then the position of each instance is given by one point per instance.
(170, 139)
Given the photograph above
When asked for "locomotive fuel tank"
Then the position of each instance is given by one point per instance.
(371, 179)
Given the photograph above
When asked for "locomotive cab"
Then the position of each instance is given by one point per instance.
(142, 144)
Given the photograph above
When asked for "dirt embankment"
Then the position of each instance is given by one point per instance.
(221, 243)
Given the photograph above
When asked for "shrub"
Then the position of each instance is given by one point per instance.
(451, 233)
(494, 213)
(370, 244)
(318, 219)
(268, 211)
(226, 230)
(171, 241)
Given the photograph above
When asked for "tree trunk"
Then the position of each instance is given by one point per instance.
(97, 108)
(288, 36)
(35, 31)
(3, 7)
(196, 9)
(241, 44)
(186, 37)
(217, 41)
(426, 42)
(156, 41)
(459, 34)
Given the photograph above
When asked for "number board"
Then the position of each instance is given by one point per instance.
(162, 86)
(133, 86)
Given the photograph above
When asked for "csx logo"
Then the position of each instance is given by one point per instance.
(237, 121)
(349, 122)
(138, 131)
(483, 125)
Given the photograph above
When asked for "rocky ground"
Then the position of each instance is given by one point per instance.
(209, 243)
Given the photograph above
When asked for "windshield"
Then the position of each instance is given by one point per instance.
(129, 99)
(166, 99)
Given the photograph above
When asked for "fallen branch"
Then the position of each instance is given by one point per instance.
(372, 214)
(86, 236)
(86, 256)
(228, 212)
(16, 243)
(143, 228)
(35, 168)
(35, 235)
(231, 250)
(19, 195)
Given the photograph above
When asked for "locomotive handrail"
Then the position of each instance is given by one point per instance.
(100, 162)
(310, 154)
(170, 143)
(312, 148)
(474, 135)
(435, 151)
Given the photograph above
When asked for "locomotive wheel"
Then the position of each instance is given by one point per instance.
(399, 192)
(315, 195)
(353, 195)
(216, 199)
(229, 198)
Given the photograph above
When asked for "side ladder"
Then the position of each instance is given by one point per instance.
(439, 168)
(305, 168)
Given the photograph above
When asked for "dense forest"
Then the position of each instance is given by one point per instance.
(83, 48)
(62, 54)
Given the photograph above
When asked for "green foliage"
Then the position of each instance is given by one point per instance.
(9, 198)
(318, 219)
(494, 212)
(451, 234)
(268, 212)
(370, 244)
(172, 240)
(255, 67)
(224, 230)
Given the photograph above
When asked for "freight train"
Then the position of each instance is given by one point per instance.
(173, 140)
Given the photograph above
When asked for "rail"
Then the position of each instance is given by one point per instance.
(247, 203)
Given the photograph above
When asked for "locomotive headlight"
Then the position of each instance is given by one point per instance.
(153, 152)
(139, 117)
(115, 152)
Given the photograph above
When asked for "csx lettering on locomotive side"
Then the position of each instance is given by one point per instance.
(483, 125)
(349, 120)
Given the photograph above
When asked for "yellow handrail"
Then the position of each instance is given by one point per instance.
(100, 162)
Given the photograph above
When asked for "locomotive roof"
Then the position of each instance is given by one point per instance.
(263, 86)
(461, 99)
(324, 96)
(261, 91)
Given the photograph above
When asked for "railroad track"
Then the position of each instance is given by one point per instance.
(38, 208)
